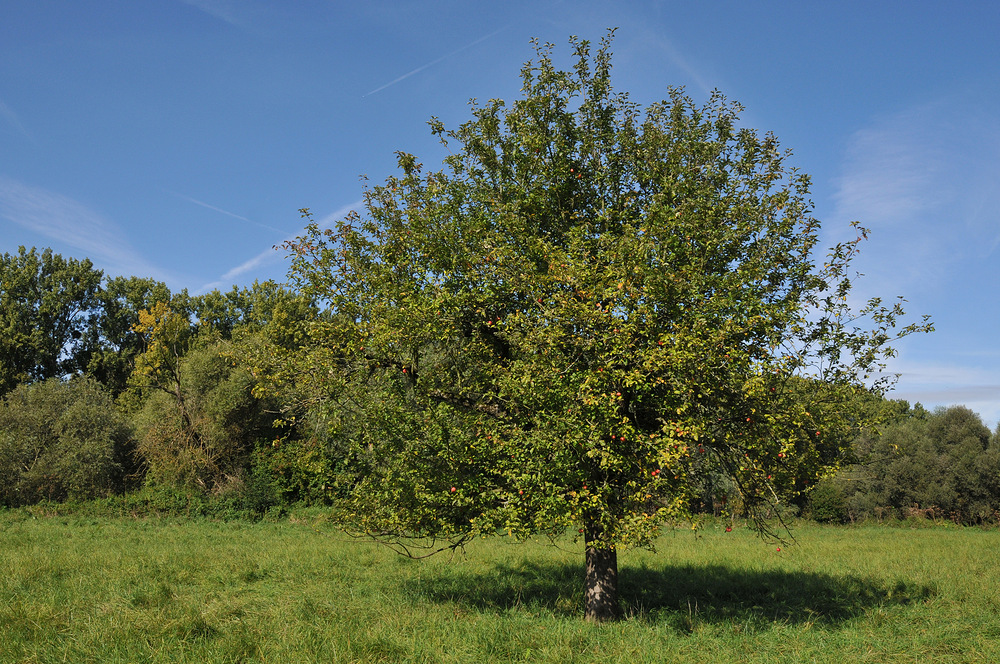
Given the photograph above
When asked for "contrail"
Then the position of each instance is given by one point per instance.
(217, 9)
(433, 62)
(270, 255)
(226, 212)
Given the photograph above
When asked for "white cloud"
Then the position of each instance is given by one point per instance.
(68, 222)
(894, 170)
(925, 181)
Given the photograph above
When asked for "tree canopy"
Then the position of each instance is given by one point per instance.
(588, 305)
(46, 303)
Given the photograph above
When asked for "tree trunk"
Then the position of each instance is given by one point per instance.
(601, 584)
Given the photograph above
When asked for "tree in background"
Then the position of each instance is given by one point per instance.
(302, 460)
(179, 442)
(46, 308)
(61, 317)
(115, 341)
(589, 300)
(241, 311)
(944, 464)
(199, 422)
(201, 432)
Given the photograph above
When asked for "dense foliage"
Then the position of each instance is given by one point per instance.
(45, 315)
(200, 428)
(62, 439)
(116, 380)
(942, 465)
(588, 308)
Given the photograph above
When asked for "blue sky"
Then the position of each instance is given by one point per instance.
(177, 139)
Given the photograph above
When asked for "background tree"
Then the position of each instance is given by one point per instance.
(114, 339)
(199, 422)
(46, 306)
(303, 460)
(175, 439)
(943, 463)
(248, 310)
(586, 305)
(205, 438)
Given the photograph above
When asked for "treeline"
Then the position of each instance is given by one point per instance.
(112, 385)
(943, 465)
(117, 388)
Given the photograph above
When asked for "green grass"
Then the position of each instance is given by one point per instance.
(120, 590)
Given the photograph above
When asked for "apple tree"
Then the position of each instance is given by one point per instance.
(588, 305)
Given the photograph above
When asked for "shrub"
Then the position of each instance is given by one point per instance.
(62, 439)
(827, 503)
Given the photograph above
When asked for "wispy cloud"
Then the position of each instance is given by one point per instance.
(272, 255)
(10, 119)
(935, 384)
(225, 212)
(434, 62)
(223, 10)
(896, 170)
(925, 181)
(681, 62)
(69, 222)
(964, 394)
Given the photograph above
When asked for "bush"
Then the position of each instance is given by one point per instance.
(62, 440)
(297, 470)
(827, 503)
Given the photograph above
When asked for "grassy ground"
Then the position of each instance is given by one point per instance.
(105, 590)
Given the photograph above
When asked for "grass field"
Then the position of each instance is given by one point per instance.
(105, 590)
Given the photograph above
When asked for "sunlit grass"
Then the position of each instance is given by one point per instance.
(105, 590)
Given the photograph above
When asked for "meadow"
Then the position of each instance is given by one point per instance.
(80, 589)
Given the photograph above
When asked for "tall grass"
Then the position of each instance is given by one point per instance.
(168, 590)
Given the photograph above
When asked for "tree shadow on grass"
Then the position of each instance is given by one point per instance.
(757, 599)
(679, 596)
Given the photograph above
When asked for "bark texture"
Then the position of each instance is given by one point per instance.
(601, 585)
